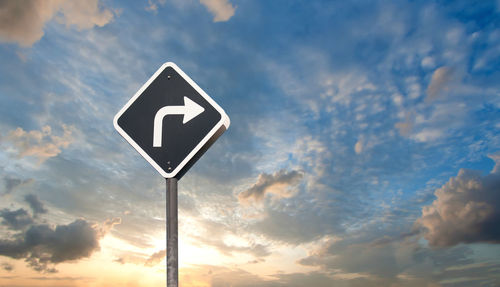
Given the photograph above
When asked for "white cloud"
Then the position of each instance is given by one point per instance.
(22, 22)
(397, 99)
(342, 87)
(413, 87)
(426, 135)
(222, 10)
(428, 62)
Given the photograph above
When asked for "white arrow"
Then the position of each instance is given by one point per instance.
(190, 110)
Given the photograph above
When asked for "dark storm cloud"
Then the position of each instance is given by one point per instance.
(466, 210)
(35, 204)
(41, 245)
(16, 219)
(279, 183)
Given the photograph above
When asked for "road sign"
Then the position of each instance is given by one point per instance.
(171, 121)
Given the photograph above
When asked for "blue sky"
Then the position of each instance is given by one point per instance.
(363, 148)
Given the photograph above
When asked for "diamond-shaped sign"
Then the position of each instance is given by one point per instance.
(171, 121)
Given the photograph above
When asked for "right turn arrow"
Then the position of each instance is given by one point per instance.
(190, 110)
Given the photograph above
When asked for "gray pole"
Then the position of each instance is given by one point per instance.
(172, 234)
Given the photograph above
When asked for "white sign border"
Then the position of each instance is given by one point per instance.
(224, 121)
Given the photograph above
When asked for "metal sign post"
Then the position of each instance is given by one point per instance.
(172, 234)
(171, 122)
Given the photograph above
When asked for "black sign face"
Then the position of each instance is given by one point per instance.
(170, 120)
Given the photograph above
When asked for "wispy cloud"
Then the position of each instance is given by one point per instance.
(40, 144)
(156, 258)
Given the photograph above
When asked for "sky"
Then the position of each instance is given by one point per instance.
(364, 146)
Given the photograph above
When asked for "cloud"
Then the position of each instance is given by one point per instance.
(218, 276)
(215, 234)
(254, 249)
(303, 226)
(85, 14)
(439, 83)
(222, 10)
(279, 184)
(404, 127)
(7, 267)
(16, 219)
(41, 245)
(153, 5)
(40, 144)
(358, 147)
(466, 210)
(12, 183)
(496, 159)
(355, 258)
(107, 225)
(35, 204)
(428, 135)
(407, 262)
(22, 22)
(156, 258)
